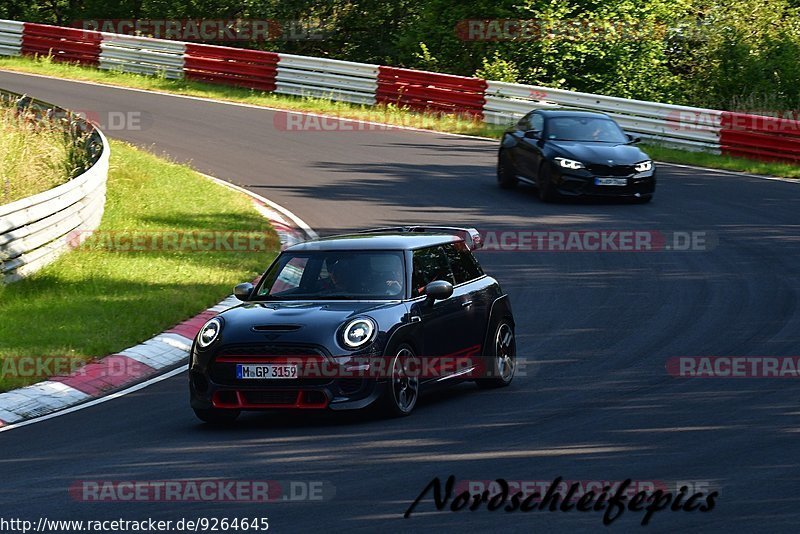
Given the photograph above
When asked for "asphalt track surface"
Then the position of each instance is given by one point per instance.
(597, 404)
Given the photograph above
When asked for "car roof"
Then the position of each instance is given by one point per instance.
(569, 112)
(376, 241)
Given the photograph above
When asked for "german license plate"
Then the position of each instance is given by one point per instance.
(265, 372)
(611, 181)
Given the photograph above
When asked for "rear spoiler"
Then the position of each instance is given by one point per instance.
(471, 236)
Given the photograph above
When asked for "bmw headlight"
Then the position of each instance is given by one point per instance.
(209, 333)
(569, 163)
(358, 332)
(643, 166)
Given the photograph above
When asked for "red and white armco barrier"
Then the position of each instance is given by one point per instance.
(685, 127)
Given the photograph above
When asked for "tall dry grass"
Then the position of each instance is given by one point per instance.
(36, 154)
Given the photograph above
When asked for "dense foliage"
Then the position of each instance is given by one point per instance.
(733, 55)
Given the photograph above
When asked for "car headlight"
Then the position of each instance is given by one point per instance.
(358, 332)
(570, 163)
(209, 333)
(643, 166)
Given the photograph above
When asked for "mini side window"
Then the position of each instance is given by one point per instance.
(464, 265)
(430, 264)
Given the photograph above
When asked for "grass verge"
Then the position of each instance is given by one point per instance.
(35, 155)
(99, 299)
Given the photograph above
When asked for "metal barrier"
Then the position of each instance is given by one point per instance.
(429, 91)
(760, 137)
(11, 37)
(231, 66)
(35, 230)
(327, 78)
(685, 127)
(141, 55)
(63, 44)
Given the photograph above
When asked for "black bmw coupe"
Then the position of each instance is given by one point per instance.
(350, 321)
(574, 153)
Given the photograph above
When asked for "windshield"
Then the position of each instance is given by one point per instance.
(588, 129)
(335, 275)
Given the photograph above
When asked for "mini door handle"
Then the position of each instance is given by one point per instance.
(467, 303)
(415, 318)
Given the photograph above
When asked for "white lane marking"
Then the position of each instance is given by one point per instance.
(277, 207)
(731, 173)
(97, 401)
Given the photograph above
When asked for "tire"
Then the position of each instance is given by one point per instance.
(402, 392)
(506, 177)
(504, 357)
(644, 199)
(544, 180)
(215, 416)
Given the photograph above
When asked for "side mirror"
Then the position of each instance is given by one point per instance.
(242, 291)
(533, 134)
(632, 139)
(438, 290)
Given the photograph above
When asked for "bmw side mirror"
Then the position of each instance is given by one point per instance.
(242, 291)
(438, 290)
(533, 134)
(632, 139)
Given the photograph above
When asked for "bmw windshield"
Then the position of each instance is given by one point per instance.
(335, 275)
(585, 129)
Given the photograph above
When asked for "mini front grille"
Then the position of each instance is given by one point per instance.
(271, 350)
(277, 327)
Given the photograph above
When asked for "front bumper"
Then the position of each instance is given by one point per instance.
(213, 384)
(582, 183)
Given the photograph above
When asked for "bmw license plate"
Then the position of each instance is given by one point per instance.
(611, 181)
(265, 372)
